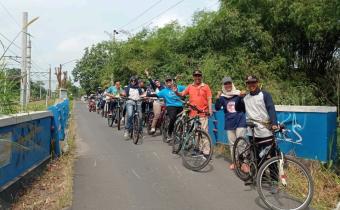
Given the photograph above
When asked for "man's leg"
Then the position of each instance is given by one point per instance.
(231, 140)
(156, 112)
(204, 143)
(128, 121)
(172, 112)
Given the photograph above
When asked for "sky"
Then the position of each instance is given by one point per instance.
(66, 27)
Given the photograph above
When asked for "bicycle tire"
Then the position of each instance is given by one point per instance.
(197, 132)
(135, 129)
(273, 160)
(110, 120)
(165, 126)
(236, 156)
(119, 118)
(177, 141)
(149, 120)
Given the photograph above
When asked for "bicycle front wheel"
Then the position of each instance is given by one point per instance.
(135, 129)
(177, 140)
(242, 157)
(165, 126)
(149, 119)
(285, 184)
(110, 120)
(197, 150)
(119, 118)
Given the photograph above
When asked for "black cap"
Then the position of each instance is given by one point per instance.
(168, 77)
(197, 72)
(251, 78)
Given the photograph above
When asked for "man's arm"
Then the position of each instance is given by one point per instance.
(270, 108)
(209, 95)
(181, 93)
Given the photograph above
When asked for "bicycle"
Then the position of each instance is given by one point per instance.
(136, 130)
(192, 139)
(119, 112)
(277, 172)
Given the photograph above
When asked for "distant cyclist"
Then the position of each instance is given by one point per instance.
(133, 92)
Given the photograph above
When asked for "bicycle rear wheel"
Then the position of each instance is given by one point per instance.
(242, 158)
(177, 140)
(285, 184)
(149, 119)
(193, 148)
(110, 120)
(135, 129)
(119, 118)
(165, 127)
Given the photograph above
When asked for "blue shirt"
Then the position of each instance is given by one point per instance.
(171, 99)
(113, 90)
(233, 118)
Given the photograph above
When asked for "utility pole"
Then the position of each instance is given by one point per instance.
(23, 83)
(49, 83)
(29, 65)
(39, 92)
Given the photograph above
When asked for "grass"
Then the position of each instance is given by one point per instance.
(51, 188)
(326, 180)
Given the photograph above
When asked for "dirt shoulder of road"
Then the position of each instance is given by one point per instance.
(51, 185)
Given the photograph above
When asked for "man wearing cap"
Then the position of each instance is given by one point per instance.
(173, 103)
(201, 97)
(260, 109)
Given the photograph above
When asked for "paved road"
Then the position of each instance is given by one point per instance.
(111, 173)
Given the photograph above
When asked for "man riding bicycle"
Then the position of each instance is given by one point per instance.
(114, 92)
(133, 93)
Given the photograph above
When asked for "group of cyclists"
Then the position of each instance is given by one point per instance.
(166, 100)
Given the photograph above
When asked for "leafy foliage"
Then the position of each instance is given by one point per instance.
(292, 46)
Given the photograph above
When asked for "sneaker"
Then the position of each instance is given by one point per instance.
(169, 139)
(153, 130)
(122, 121)
(126, 135)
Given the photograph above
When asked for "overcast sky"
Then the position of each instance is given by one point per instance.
(66, 27)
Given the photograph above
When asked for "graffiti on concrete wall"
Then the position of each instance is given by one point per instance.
(293, 129)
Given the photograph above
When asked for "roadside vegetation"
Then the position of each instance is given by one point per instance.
(51, 185)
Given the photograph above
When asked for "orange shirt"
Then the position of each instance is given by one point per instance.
(198, 96)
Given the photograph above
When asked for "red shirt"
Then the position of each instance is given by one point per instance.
(199, 96)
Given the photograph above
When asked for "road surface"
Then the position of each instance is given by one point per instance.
(112, 173)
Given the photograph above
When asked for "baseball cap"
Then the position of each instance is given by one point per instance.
(168, 77)
(251, 78)
(226, 79)
(197, 72)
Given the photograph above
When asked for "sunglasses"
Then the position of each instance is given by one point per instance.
(227, 83)
(168, 80)
(197, 75)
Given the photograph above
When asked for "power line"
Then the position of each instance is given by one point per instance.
(10, 41)
(9, 13)
(166, 10)
(141, 14)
